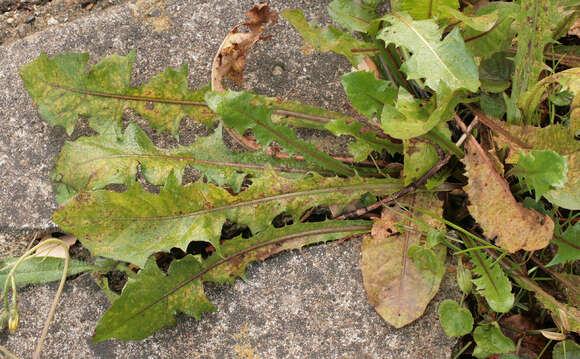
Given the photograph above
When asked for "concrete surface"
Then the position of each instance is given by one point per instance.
(295, 305)
(309, 305)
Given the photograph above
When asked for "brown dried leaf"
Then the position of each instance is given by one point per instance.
(575, 28)
(230, 60)
(495, 209)
(398, 286)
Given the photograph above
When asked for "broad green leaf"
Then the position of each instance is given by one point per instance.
(535, 24)
(491, 202)
(41, 270)
(495, 73)
(400, 274)
(367, 94)
(486, 43)
(151, 300)
(567, 246)
(327, 38)
(492, 105)
(483, 22)
(568, 196)
(64, 91)
(132, 225)
(411, 117)
(567, 349)
(492, 283)
(421, 9)
(420, 157)
(136, 314)
(352, 15)
(542, 170)
(490, 340)
(93, 162)
(437, 61)
(238, 112)
(456, 321)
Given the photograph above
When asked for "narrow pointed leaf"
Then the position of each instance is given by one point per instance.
(93, 162)
(63, 91)
(41, 270)
(446, 61)
(237, 111)
(400, 275)
(151, 300)
(567, 80)
(132, 225)
(327, 38)
(536, 22)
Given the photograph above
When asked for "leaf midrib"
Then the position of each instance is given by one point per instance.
(358, 187)
(431, 49)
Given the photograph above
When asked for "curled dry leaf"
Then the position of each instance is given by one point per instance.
(399, 274)
(492, 205)
(230, 59)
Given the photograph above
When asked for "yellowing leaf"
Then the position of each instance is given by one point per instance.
(401, 276)
(495, 209)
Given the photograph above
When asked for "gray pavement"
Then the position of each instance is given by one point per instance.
(308, 304)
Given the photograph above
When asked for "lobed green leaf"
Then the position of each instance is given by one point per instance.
(327, 38)
(64, 91)
(492, 283)
(151, 300)
(130, 226)
(447, 61)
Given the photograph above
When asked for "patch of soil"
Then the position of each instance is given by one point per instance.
(20, 18)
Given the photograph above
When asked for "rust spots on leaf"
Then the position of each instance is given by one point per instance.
(230, 59)
(513, 226)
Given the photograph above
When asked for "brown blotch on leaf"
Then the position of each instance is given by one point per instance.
(230, 59)
(493, 206)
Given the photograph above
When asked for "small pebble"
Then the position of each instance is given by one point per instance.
(52, 21)
(30, 19)
(277, 70)
(10, 20)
